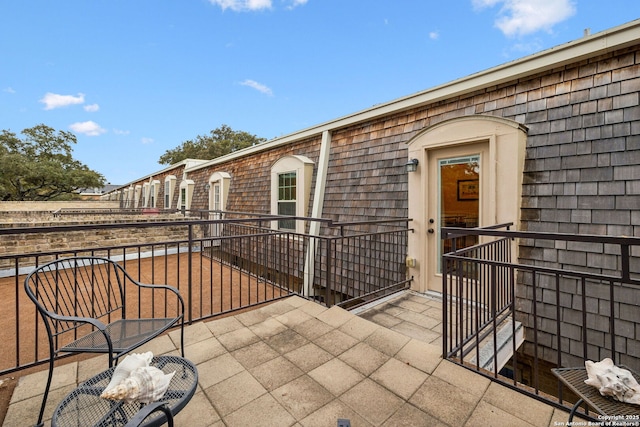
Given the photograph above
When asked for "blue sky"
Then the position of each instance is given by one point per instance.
(134, 78)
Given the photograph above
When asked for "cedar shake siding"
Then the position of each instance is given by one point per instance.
(581, 170)
(250, 189)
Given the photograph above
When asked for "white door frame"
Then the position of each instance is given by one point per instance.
(503, 166)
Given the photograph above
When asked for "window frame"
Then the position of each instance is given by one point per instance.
(170, 181)
(145, 195)
(302, 167)
(184, 200)
(136, 196)
(154, 188)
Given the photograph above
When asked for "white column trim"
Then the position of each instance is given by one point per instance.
(316, 210)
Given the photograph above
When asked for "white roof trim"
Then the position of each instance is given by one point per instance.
(589, 46)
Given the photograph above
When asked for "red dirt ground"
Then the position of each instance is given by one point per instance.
(216, 289)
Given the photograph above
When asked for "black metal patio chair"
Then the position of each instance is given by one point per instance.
(83, 304)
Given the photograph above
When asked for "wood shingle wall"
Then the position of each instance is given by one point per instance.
(582, 167)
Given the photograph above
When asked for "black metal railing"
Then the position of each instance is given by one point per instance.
(219, 265)
(478, 290)
(564, 300)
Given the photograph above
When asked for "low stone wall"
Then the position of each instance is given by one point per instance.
(29, 214)
(46, 243)
(50, 206)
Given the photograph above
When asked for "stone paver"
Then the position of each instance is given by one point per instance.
(297, 363)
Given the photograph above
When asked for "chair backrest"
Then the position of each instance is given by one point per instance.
(79, 287)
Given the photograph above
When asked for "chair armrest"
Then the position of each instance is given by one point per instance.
(147, 410)
(95, 322)
(160, 287)
(165, 287)
(154, 287)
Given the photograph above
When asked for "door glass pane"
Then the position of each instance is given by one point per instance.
(459, 204)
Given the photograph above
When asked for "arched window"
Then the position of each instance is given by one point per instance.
(290, 191)
(136, 196)
(218, 190)
(186, 194)
(153, 193)
(169, 188)
(145, 195)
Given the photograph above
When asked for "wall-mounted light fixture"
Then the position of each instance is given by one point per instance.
(207, 187)
(411, 165)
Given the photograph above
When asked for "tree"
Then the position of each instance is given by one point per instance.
(219, 142)
(40, 166)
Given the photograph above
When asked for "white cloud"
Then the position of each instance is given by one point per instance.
(54, 100)
(91, 108)
(89, 128)
(121, 132)
(242, 5)
(257, 86)
(295, 3)
(145, 140)
(485, 3)
(521, 17)
(9, 90)
(434, 35)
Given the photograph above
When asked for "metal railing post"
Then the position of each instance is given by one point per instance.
(189, 274)
(327, 298)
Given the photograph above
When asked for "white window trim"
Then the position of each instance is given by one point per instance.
(136, 196)
(224, 179)
(171, 179)
(145, 195)
(303, 167)
(188, 185)
(154, 189)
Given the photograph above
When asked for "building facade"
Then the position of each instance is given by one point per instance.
(550, 143)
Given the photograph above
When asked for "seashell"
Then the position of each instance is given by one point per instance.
(145, 384)
(128, 365)
(611, 380)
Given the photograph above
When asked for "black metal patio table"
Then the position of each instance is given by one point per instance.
(84, 407)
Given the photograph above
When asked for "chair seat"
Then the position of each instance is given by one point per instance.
(126, 334)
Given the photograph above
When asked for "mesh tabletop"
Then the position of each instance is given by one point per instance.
(84, 407)
(574, 379)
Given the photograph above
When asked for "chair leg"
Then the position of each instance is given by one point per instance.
(574, 409)
(46, 392)
(147, 410)
(182, 337)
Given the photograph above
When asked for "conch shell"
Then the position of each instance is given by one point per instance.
(145, 385)
(128, 365)
(613, 381)
(134, 380)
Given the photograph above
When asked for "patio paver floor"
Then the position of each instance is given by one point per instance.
(297, 363)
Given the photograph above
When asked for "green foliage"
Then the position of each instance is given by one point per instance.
(219, 142)
(40, 166)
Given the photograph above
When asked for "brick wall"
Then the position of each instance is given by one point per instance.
(50, 206)
(28, 245)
